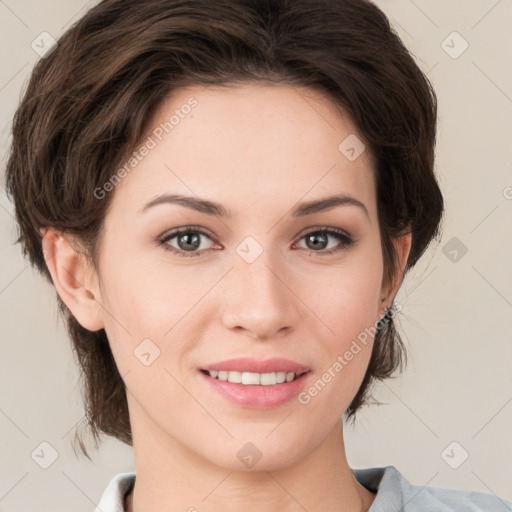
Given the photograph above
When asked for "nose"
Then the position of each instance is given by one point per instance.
(260, 300)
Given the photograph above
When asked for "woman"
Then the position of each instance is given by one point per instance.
(227, 196)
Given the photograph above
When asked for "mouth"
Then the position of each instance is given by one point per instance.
(252, 390)
(256, 383)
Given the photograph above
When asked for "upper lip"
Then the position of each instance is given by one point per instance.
(247, 364)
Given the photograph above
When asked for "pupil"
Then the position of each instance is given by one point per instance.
(192, 245)
(315, 237)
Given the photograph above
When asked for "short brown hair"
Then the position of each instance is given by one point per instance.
(88, 103)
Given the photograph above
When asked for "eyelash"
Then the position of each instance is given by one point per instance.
(336, 233)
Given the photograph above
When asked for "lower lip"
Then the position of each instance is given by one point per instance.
(258, 397)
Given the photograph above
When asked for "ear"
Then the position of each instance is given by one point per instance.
(74, 278)
(402, 247)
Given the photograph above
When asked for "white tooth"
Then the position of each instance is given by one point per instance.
(268, 379)
(250, 378)
(235, 377)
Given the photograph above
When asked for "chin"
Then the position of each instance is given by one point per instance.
(258, 454)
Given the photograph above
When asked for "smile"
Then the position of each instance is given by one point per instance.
(256, 390)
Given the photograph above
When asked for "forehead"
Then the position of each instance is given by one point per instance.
(249, 143)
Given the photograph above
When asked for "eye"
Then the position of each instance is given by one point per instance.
(319, 239)
(188, 241)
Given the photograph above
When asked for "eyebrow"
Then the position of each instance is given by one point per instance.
(218, 210)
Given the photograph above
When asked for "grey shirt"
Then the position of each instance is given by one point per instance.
(394, 494)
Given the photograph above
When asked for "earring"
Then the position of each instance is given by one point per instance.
(385, 308)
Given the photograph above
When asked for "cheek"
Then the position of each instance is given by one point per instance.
(145, 300)
(347, 303)
(348, 297)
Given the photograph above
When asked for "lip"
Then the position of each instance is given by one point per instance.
(257, 397)
(247, 364)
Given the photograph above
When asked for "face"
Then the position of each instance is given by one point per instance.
(266, 279)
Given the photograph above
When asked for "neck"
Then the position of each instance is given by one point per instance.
(179, 479)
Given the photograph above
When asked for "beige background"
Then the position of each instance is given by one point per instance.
(457, 316)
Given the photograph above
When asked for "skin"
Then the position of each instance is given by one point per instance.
(257, 150)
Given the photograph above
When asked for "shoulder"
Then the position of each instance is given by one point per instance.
(395, 492)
